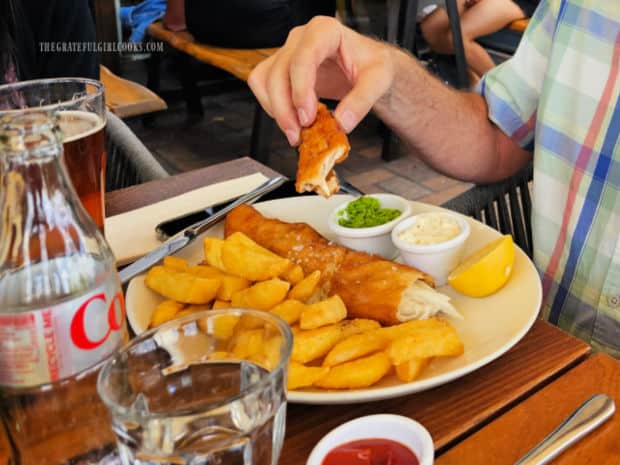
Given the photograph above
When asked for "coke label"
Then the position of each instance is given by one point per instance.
(47, 345)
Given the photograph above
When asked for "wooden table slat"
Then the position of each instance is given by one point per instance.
(512, 435)
(455, 410)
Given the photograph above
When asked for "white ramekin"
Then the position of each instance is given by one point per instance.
(395, 427)
(439, 259)
(376, 239)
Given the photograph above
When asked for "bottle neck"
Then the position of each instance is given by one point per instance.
(38, 219)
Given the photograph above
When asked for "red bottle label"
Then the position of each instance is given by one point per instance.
(48, 345)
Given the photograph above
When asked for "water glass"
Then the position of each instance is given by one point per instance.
(208, 388)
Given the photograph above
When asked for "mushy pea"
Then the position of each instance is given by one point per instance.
(366, 212)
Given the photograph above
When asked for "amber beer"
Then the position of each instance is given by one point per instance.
(85, 158)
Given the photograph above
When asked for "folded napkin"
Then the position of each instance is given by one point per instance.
(132, 234)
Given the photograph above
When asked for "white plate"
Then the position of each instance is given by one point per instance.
(491, 326)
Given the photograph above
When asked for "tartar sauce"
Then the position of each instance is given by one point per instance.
(431, 228)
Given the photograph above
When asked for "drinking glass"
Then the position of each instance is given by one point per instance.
(208, 388)
(81, 110)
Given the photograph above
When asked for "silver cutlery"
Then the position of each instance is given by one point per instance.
(186, 236)
(589, 416)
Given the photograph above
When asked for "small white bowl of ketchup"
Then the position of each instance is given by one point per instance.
(372, 439)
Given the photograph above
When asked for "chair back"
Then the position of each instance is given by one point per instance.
(505, 206)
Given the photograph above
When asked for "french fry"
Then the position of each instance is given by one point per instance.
(220, 355)
(354, 347)
(180, 286)
(247, 344)
(250, 322)
(413, 327)
(176, 263)
(289, 310)
(312, 344)
(221, 304)
(411, 369)
(271, 351)
(198, 308)
(223, 326)
(444, 342)
(213, 252)
(293, 274)
(229, 283)
(305, 288)
(262, 295)
(165, 311)
(302, 376)
(357, 374)
(244, 258)
(323, 313)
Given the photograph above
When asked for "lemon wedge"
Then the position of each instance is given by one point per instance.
(487, 270)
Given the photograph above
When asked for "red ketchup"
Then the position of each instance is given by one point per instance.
(371, 452)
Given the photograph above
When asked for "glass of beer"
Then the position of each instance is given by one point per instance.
(207, 388)
(81, 110)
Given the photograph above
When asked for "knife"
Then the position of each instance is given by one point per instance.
(183, 238)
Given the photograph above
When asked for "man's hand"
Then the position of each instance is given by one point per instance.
(323, 59)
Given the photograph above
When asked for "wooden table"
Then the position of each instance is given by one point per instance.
(452, 412)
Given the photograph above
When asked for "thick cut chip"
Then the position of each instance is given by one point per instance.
(323, 144)
(261, 296)
(444, 342)
(244, 258)
(221, 304)
(247, 343)
(323, 313)
(355, 346)
(289, 310)
(271, 354)
(213, 252)
(180, 286)
(176, 263)
(223, 327)
(306, 288)
(302, 376)
(310, 345)
(165, 311)
(411, 369)
(230, 284)
(357, 374)
(294, 274)
(413, 327)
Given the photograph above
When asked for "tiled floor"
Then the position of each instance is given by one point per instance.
(224, 134)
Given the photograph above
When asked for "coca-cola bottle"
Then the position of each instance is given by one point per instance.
(61, 304)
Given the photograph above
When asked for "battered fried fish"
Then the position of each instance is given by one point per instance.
(322, 146)
(370, 286)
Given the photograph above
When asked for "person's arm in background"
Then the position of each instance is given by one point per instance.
(451, 130)
(61, 21)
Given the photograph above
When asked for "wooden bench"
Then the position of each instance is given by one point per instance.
(238, 62)
(127, 98)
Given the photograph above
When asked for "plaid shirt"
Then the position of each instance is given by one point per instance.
(560, 96)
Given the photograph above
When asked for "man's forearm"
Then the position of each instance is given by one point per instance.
(449, 129)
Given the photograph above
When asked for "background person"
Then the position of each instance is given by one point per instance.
(27, 24)
(478, 18)
(243, 23)
(554, 99)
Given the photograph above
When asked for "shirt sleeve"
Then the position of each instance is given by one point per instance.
(512, 89)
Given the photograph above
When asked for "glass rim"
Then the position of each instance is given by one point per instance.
(285, 353)
(20, 85)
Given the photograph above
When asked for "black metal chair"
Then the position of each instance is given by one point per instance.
(505, 206)
(129, 162)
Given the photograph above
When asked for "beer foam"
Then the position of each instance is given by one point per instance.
(77, 124)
